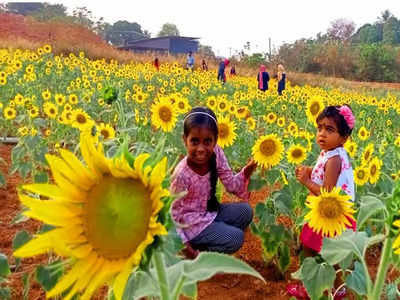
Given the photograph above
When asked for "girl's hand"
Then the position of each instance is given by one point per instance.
(249, 168)
(303, 174)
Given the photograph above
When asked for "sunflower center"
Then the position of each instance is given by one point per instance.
(105, 133)
(314, 108)
(81, 119)
(330, 208)
(362, 133)
(373, 170)
(223, 130)
(165, 114)
(268, 147)
(360, 174)
(222, 105)
(181, 105)
(296, 153)
(118, 214)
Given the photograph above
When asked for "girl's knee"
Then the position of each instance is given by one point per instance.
(248, 213)
(236, 241)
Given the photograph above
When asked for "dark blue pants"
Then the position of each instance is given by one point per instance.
(225, 234)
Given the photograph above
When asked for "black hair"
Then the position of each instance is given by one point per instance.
(332, 112)
(205, 119)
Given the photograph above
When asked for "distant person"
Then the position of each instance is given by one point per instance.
(157, 64)
(190, 61)
(221, 70)
(204, 65)
(281, 79)
(233, 71)
(263, 78)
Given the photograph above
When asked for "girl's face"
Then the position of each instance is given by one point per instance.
(328, 137)
(199, 143)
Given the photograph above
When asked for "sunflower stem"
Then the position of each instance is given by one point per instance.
(178, 288)
(382, 270)
(162, 275)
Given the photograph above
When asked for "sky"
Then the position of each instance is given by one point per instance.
(226, 26)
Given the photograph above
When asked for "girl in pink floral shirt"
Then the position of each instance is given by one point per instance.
(201, 221)
(333, 168)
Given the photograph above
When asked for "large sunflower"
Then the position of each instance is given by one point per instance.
(106, 131)
(374, 170)
(361, 175)
(351, 148)
(363, 133)
(314, 106)
(226, 132)
(104, 214)
(367, 154)
(329, 212)
(267, 150)
(296, 154)
(163, 115)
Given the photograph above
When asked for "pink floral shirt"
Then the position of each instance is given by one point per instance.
(345, 180)
(189, 212)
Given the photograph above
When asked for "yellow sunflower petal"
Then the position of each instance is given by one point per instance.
(38, 245)
(73, 275)
(158, 173)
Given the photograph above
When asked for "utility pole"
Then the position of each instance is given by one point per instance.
(230, 51)
(269, 47)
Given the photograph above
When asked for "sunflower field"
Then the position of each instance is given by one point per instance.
(87, 129)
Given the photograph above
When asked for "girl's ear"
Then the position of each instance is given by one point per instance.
(184, 140)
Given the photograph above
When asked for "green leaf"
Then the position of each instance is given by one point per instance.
(357, 280)
(335, 250)
(21, 238)
(392, 292)
(283, 257)
(317, 277)
(256, 184)
(140, 285)
(4, 268)
(346, 263)
(370, 205)
(41, 177)
(49, 275)
(5, 293)
(190, 290)
(208, 264)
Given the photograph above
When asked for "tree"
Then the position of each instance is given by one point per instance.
(168, 29)
(386, 15)
(24, 8)
(50, 12)
(121, 32)
(391, 31)
(206, 50)
(341, 29)
(83, 16)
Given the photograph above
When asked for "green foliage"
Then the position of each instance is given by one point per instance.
(168, 29)
(317, 277)
(110, 94)
(49, 275)
(183, 276)
(123, 31)
(4, 272)
(377, 62)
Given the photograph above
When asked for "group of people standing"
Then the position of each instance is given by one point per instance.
(263, 78)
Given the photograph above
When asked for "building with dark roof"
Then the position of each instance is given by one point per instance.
(164, 44)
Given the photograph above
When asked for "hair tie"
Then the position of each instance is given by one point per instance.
(348, 116)
(200, 113)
